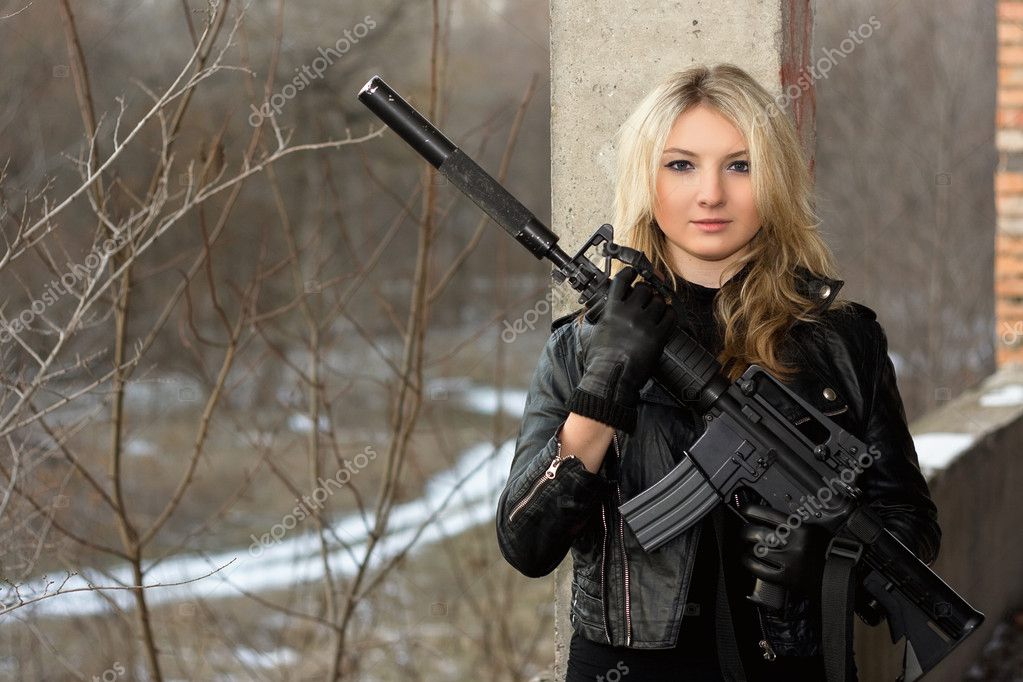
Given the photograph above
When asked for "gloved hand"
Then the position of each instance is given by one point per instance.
(623, 351)
(795, 561)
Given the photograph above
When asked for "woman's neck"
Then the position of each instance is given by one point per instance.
(704, 289)
(706, 273)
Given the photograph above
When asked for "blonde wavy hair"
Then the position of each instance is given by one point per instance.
(757, 312)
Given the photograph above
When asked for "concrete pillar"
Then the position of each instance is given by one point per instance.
(604, 57)
(1009, 186)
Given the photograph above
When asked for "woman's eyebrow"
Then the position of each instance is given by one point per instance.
(669, 150)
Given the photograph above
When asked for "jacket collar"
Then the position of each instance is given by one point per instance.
(822, 289)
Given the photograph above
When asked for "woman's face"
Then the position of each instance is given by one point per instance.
(704, 174)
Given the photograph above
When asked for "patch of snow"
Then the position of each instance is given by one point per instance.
(1003, 396)
(139, 448)
(441, 388)
(301, 423)
(266, 659)
(485, 399)
(939, 449)
(898, 362)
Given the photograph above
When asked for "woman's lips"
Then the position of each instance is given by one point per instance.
(712, 227)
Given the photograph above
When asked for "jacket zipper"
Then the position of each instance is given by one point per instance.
(764, 643)
(769, 654)
(603, 560)
(625, 556)
(548, 475)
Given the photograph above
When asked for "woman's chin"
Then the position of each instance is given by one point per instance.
(712, 254)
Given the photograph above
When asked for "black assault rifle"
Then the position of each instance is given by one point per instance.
(748, 440)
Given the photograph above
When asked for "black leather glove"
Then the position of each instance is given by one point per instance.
(623, 351)
(795, 561)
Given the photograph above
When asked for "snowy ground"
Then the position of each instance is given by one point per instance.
(458, 498)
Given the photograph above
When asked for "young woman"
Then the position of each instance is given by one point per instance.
(711, 185)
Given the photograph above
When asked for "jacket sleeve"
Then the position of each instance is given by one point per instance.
(893, 484)
(538, 515)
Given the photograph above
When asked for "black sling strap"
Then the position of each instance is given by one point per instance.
(728, 648)
(837, 595)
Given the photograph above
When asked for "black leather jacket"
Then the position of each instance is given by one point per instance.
(621, 594)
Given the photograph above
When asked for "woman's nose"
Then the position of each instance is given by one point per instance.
(711, 191)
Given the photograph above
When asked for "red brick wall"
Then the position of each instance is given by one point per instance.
(1009, 185)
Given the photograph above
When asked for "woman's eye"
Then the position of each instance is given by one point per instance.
(673, 164)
